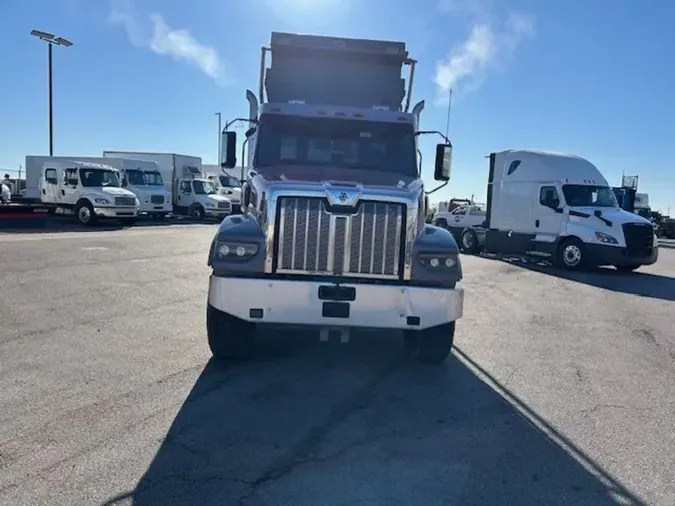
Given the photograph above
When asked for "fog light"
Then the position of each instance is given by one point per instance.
(434, 262)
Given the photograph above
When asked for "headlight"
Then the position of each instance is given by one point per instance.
(209, 204)
(605, 238)
(439, 261)
(167, 199)
(101, 201)
(226, 250)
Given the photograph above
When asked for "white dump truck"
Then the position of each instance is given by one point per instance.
(89, 191)
(192, 193)
(333, 234)
(559, 207)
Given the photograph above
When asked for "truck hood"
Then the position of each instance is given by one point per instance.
(614, 214)
(213, 197)
(112, 191)
(320, 173)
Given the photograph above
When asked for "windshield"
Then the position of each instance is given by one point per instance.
(229, 181)
(153, 178)
(98, 177)
(135, 177)
(204, 187)
(579, 195)
(349, 144)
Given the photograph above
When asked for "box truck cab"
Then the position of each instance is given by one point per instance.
(229, 187)
(89, 190)
(559, 206)
(143, 179)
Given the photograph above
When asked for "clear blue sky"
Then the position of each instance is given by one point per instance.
(595, 78)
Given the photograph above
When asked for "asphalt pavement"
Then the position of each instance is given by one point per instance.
(560, 389)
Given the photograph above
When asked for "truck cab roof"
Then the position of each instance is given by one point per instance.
(337, 111)
(528, 165)
(77, 164)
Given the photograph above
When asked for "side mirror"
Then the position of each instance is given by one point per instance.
(228, 149)
(443, 162)
(250, 132)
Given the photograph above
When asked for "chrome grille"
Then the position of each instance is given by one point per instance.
(312, 240)
(157, 199)
(125, 201)
(224, 205)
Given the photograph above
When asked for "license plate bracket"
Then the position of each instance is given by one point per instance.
(337, 293)
(335, 310)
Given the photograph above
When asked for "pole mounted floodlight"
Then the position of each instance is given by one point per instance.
(51, 40)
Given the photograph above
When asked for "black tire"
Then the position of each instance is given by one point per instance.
(128, 222)
(430, 346)
(229, 337)
(468, 242)
(84, 213)
(571, 255)
(196, 212)
(627, 268)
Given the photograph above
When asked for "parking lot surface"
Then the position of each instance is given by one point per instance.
(560, 389)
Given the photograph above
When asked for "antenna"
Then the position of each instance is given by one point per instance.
(447, 124)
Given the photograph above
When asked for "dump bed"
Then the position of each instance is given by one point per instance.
(336, 71)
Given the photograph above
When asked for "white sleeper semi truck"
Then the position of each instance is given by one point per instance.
(558, 207)
(192, 193)
(88, 190)
(333, 233)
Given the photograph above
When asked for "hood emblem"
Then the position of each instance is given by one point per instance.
(343, 197)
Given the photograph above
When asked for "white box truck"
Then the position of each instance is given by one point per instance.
(192, 194)
(88, 190)
(559, 207)
(140, 177)
(227, 183)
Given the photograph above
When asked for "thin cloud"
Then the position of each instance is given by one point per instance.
(153, 33)
(468, 63)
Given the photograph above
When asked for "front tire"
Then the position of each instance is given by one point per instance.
(196, 212)
(229, 337)
(84, 212)
(571, 254)
(430, 346)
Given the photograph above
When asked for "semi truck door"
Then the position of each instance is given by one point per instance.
(69, 192)
(549, 216)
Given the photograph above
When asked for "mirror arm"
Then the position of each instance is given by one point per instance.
(436, 189)
(426, 132)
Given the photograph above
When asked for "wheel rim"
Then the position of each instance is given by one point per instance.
(84, 215)
(467, 241)
(195, 213)
(572, 255)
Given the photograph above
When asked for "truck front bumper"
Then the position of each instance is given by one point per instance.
(217, 213)
(601, 254)
(297, 303)
(156, 208)
(115, 212)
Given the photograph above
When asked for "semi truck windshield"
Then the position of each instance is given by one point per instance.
(579, 195)
(379, 146)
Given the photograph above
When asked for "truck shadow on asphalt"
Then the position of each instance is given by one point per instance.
(314, 423)
(644, 284)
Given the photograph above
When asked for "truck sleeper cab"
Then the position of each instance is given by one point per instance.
(333, 233)
(560, 207)
(91, 191)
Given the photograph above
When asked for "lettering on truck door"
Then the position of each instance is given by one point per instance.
(549, 216)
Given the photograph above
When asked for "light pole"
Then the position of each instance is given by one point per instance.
(51, 40)
(219, 129)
